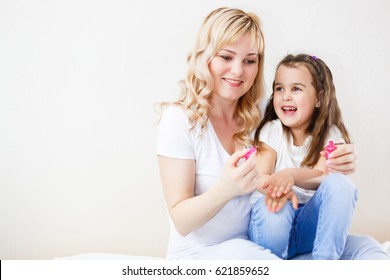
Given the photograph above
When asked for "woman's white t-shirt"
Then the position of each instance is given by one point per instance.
(177, 140)
(288, 155)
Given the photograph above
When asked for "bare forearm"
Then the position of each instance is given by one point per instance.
(192, 213)
(262, 181)
(188, 211)
(308, 179)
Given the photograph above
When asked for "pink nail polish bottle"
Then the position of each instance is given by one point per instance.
(252, 150)
(330, 148)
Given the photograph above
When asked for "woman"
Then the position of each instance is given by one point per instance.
(204, 136)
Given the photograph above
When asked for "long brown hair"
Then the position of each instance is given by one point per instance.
(328, 114)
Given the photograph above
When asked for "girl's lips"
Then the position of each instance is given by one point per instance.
(233, 83)
(289, 110)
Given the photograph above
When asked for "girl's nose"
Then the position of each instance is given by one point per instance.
(287, 95)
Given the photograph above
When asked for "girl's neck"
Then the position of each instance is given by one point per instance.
(299, 136)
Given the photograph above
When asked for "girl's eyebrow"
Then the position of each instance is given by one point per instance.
(233, 52)
(294, 84)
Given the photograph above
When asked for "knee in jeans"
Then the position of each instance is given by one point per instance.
(340, 185)
(281, 219)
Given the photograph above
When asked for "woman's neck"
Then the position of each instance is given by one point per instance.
(223, 111)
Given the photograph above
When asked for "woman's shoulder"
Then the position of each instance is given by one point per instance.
(174, 109)
(175, 113)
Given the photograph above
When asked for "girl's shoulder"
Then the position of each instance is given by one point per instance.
(273, 126)
(271, 132)
(335, 135)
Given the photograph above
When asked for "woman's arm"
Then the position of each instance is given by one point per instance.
(190, 212)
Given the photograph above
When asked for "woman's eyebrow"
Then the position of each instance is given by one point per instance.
(233, 52)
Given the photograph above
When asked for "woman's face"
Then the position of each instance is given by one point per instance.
(234, 69)
(295, 98)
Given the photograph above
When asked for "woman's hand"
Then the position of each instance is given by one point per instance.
(239, 176)
(342, 160)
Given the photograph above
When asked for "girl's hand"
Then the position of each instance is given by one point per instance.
(276, 204)
(342, 160)
(279, 183)
(239, 178)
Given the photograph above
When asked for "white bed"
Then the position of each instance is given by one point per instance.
(107, 256)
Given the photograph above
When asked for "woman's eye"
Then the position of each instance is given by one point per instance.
(250, 61)
(225, 57)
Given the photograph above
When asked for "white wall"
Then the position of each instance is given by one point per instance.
(78, 83)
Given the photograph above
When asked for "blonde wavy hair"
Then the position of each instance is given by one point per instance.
(220, 28)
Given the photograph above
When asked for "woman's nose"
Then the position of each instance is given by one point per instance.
(237, 68)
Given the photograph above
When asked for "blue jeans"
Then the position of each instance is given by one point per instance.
(319, 227)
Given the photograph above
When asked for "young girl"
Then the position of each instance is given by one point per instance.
(301, 117)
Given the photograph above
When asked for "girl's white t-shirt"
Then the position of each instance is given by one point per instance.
(176, 140)
(289, 155)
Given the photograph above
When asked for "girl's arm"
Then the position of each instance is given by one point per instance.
(309, 179)
(282, 181)
(189, 212)
(265, 163)
(278, 186)
(305, 178)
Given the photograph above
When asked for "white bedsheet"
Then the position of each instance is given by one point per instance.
(386, 246)
(107, 256)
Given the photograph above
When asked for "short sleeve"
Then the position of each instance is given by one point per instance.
(335, 135)
(272, 134)
(174, 138)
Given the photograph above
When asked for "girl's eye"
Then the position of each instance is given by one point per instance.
(295, 89)
(278, 89)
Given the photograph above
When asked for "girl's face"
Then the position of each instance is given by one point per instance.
(295, 97)
(234, 69)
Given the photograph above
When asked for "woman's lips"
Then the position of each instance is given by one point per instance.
(233, 83)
